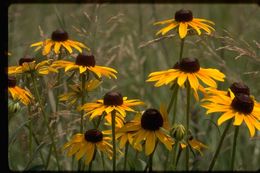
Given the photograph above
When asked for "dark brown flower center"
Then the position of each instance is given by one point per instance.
(113, 98)
(26, 59)
(93, 135)
(243, 103)
(11, 81)
(238, 87)
(183, 15)
(85, 60)
(151, 120)
(59, 35)
(188, 65)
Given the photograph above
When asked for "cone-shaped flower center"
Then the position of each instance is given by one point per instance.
(59, 35)
(188, 65)
(11, 81)
(93, 135)
(243, 103)
(151, 120)
(238, 87)
(183, 15)
(85, 60)
(113, 98)
(27, 59)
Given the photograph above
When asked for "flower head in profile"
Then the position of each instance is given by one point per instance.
(76, 91)
(59, 38)
(194, 144)
(112, 101)
(85, 145)
(188, 69)
(17, 93)
(85, 63)
(185, 20)
(28, 64)
(150, 126)
(235, 103)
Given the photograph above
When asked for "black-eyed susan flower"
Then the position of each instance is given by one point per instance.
(85, 63)
(59, 38)
(28, 64)
(149, 127)
(184, 19)
(86, 144)
(188, 69)
(194, 144)
(76, 93)
(240, 106)
(112, 101)
(18, 93)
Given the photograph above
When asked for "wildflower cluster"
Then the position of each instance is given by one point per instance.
(107, 125)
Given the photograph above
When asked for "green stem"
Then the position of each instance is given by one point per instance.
(175, 106)
(37, 143)
(187, 124)
(212, 163)
(181, 51)
(45, 120)
(48, 157)
(172, 98)
(91, 162)
(113, 114)
(151, 158)
(126, 152)
(83, 81)
(30, 139)
(58, 89)
(234, 148)
(178, 156)
(103, 161)
(30, 122)
(175, 155)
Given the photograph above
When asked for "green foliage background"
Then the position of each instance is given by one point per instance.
(116, 34)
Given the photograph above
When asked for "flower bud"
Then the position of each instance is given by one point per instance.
(178, 132)
(13, 107)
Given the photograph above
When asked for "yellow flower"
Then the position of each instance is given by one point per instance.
(188, 69)
(113, 101)
(149, 126)
(87, 144)
(59, 38)
(195, 144)
(76, 93)
(18, 93)
(184, 19)
(28, 65)
(238, 105)
(85, 63)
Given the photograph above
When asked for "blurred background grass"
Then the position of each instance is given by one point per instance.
(115, 33)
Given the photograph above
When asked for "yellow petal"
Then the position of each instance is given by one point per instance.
(150, 143)
(226, 116)
(183, 29)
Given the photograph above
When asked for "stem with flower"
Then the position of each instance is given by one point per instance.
(234, 148)
(113, 114)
